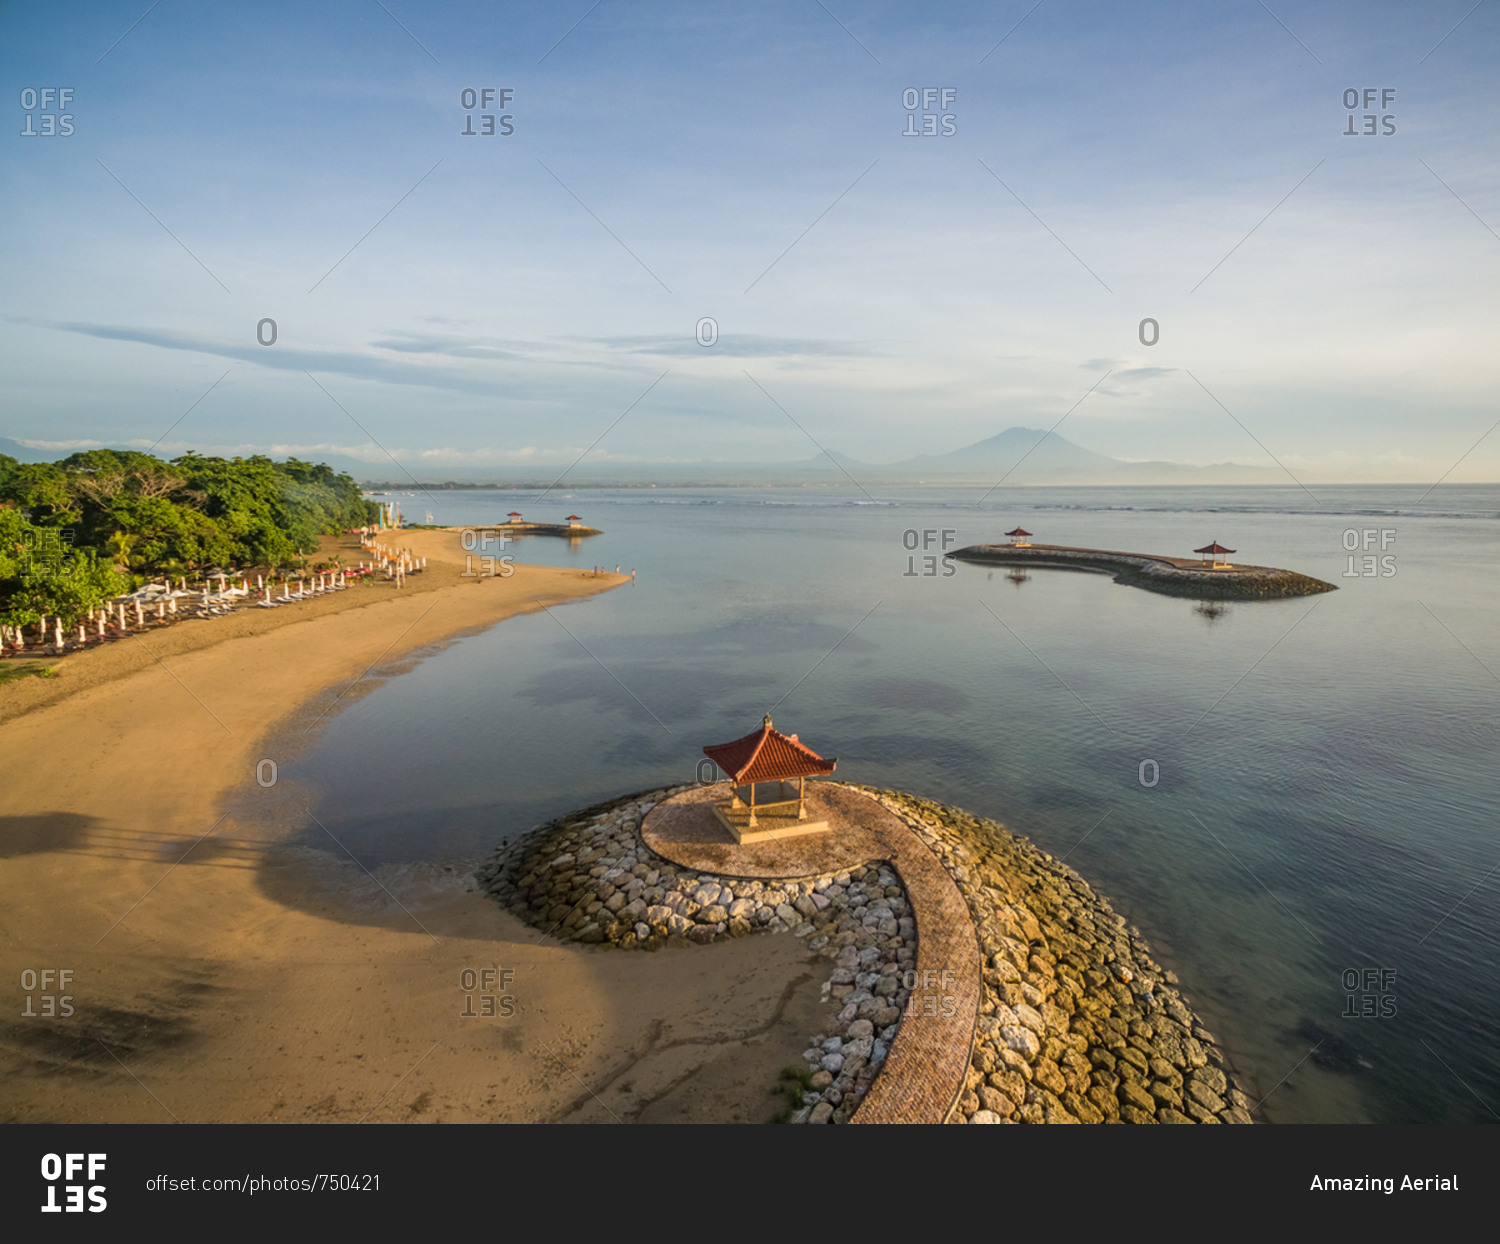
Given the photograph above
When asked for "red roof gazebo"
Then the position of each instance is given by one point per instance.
(767, 755)
(574, 520)
(514, 515)
(1020, 537)
(1215, 551)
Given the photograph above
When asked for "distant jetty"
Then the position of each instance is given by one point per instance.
(572, 529)
(1171, 576)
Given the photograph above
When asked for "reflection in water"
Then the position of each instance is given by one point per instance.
(1016, 575)
(1331, 803)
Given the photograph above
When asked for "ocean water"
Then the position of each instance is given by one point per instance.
(1297, 801)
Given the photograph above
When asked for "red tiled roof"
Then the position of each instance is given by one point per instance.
(1215, 547)
(574, 518)
(1019, 531)
(766, 754)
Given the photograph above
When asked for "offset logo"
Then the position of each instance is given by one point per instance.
(933, 565)
(1366, 566)
(1370, 993)
(66, 1169)
(51, 121)
(489, 103)
(53, 998)
(934, 105)
(492, 986)
(1386, 96)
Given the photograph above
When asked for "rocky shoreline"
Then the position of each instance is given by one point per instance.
(1077, 1023)
(1167, 576)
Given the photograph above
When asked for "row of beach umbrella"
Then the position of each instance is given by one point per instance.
(157, 604)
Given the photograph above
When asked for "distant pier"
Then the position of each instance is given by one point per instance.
(567, 530)
(1171, 576)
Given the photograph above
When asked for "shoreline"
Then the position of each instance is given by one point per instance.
(1168, 576)
(210, 977)
(146, 648)
(219, 972)
(221, 975)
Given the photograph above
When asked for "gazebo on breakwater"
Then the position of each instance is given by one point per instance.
(1212, 553)
(1020, 538)
(767, 755)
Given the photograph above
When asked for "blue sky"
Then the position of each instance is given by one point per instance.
(527, 289)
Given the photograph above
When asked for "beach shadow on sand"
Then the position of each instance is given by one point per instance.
(34, 835)
(74, 834)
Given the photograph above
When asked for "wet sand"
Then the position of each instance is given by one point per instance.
(221, 974)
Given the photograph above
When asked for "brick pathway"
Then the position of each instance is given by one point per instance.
(923, 1074)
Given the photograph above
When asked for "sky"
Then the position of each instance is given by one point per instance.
(514, 299)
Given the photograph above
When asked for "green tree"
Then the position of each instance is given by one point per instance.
(41, 574)
(152, 516)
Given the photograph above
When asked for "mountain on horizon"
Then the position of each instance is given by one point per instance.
(1020, 455)
(1036, 456)
(22, 453)
(1040, 450)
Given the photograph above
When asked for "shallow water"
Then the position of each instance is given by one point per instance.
(1325, 798)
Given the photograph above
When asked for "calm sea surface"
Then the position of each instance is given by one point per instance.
(1326, 801)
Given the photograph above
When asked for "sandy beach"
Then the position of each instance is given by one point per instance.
(219, 974)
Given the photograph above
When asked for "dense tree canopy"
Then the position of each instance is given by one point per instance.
(72, 531)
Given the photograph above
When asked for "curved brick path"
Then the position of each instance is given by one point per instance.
(923, 1074)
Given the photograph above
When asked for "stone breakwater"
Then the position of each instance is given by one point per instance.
(1076, 1024)
(1170, 576)
(1079, 1024)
